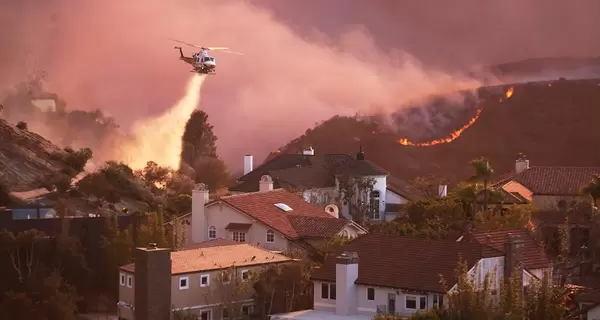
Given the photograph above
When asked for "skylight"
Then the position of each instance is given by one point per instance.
(283, 207)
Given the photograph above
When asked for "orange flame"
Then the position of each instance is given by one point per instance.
(450, 138)
(509, 92)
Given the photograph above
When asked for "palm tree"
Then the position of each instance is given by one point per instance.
(593, 189)
(483, 173)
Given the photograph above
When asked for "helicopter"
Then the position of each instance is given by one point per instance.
(201, 62)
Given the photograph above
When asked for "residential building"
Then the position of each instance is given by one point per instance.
(589, 305)
(535, 260)
(275, 219)
(318, 178)
(212, 280)
(547, 188)
(378, 273)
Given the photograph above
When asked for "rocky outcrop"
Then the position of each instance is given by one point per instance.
(26, 157)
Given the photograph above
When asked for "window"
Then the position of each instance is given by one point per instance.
(122, 279)
(205, 315)
(411, 302)
(438, 300)
(239, 236)
(270, 236)
(225, 277)
(204, 280)
(245, 275)
(247, 310)
(345, 234)
(423, 303)
(328, 291)
(212, 232)
(371, 294)
(184, 283)
(225, 313)
(374, 204)
(284, 207)
(129, 281)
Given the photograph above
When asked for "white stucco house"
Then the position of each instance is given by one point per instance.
(379, 273)
(318, 178)
(275, 219)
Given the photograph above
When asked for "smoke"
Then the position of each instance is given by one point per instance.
(115, 55)
(159, 138)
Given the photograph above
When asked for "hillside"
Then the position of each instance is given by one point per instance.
(26, 157)
(554, 123)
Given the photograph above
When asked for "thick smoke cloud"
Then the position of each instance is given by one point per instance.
(114, 55)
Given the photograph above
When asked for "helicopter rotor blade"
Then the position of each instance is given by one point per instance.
(224, 50)
(189, 44)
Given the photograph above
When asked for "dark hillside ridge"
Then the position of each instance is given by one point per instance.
(554, 123)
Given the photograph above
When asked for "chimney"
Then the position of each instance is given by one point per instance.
(152, 283)
(346, 273)
(360, 155)
(521, 164)
(443, 190)
(332, 210)
(513, 257)
(308, 151)
(266, 183)
(248, 166)
(199, 200)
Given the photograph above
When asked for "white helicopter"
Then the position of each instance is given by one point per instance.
(201, 61)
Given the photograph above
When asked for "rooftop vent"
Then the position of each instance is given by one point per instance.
(283, 207)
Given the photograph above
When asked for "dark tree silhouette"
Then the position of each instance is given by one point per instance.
(198, 139)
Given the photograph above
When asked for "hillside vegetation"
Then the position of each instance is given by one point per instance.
(553, 123)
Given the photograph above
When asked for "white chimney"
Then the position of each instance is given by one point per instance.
(308, 151)
(248, 166)
(266, 183)
(199, 199)
(521, 164)
(333, 210)
(443, 190)
(346, 273)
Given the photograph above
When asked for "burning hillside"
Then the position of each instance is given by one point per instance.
(456, 133)
(531, 118)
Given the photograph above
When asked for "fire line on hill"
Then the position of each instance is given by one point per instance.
(456, 133)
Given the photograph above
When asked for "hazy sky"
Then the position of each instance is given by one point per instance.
(304, 60)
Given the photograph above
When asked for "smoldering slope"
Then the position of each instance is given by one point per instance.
(116, 56)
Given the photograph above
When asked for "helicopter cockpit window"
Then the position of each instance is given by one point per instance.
(206, 59)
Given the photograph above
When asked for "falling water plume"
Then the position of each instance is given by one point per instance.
(159, 139)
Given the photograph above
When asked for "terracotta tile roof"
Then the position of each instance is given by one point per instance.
(306, 171)
(218, 257)
(534, 256)
(405, 262)
(507, 197)
(261, 206)
(238, 226)
(564, 181)
(210, 243)
(316, 227)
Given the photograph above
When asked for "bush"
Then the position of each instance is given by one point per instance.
(22, 125)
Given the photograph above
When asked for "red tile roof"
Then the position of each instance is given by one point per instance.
(238, 226)
(534, 256)
(405, 262)
(292, 224)
(563, 181)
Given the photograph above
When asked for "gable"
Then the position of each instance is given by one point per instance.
(515, 187)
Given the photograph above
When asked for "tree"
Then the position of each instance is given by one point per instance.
(154, 175)
(77, 159)
(198, 139)
(426, 187)
(228, 289)
(212, 172)
(355, 193)
(593, 190)
(483, 173)
(22, 125)
(117, 250)
(5, 197)
(516, 216)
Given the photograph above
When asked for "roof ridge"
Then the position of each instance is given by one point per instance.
(563, 167)
(248, 194)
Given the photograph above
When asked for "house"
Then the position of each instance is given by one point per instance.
(589, 305)
(211, 280)
(547, 187)
(318, 178)
(535, 260)
(379, 273)
(275, 219)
